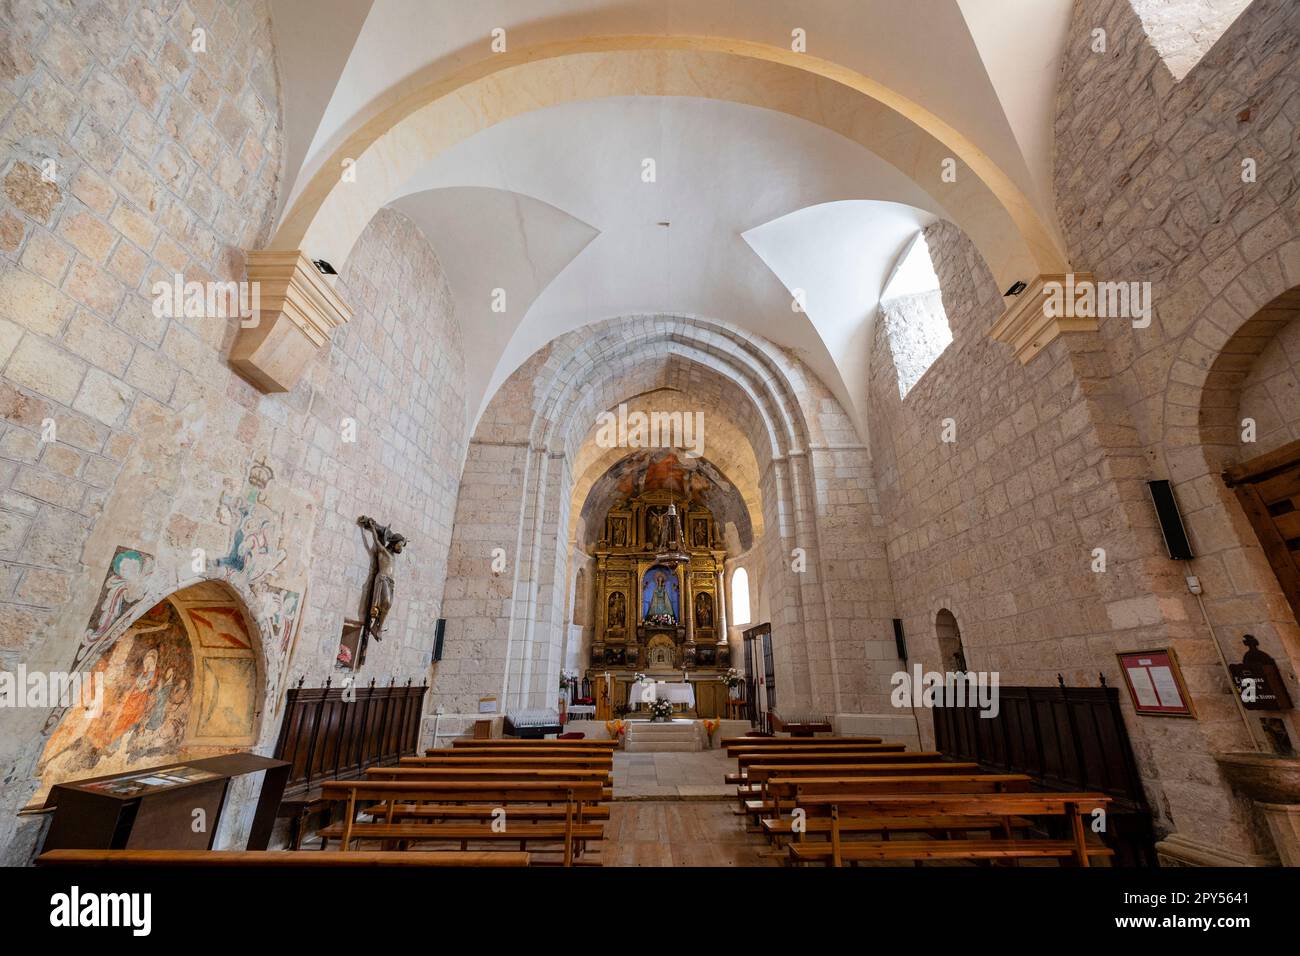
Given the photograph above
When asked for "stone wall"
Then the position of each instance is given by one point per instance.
(397, 369)
(1049, 459)
(1271, 392)
(1192, 186)
(124, 428)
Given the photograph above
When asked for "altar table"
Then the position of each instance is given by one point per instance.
(677, 693)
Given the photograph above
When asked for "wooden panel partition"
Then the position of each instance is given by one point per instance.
(1065, 738)
(331, 734)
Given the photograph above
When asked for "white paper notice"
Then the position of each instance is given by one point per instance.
(1166, 687)
(1142, 687)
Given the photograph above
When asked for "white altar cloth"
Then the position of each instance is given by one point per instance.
(677, 693)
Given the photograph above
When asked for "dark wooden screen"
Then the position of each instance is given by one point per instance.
(1268, 488)
(325, 737)
(1066, 738)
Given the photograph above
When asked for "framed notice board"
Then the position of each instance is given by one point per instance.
(1155, 684)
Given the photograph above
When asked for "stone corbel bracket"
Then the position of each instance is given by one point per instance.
(298, 312)
(1029, 326)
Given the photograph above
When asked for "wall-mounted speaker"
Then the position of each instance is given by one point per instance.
(438, 631)
(1171, 522)
(900, 641)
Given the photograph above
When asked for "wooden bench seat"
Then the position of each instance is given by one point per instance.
(889, 851)
(779, 741)
(514, 811)
(777, 829)
(386, 795)
(588, 753)
(829, 760)
(583, 775)
(466, 832)
(737, 750)
(476, 758)
(784, 793)
(277, 858)
(883, 806)
(519, 742)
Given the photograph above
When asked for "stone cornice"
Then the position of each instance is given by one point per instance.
(298, 313)
(1028, 325)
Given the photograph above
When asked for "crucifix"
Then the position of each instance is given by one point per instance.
(379, 589)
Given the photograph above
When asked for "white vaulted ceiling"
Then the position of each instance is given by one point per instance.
(550, 206)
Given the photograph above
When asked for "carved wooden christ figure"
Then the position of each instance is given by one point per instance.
(379, 589)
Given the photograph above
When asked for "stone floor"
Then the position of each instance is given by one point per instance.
(640, 776)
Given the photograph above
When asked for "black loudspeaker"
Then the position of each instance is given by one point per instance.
(438, 630)
(899, 640)
(1171, 522)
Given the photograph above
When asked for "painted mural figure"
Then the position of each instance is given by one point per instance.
(379, 593)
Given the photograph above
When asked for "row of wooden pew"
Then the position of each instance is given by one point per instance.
(849, 800)
(546, 797)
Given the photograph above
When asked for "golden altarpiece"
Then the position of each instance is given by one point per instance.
(660, 619)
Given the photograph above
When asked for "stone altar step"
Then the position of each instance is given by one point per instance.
(676, 736)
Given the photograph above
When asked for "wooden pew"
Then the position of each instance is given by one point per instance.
(603, 778)
(276, 858)
(595, 761)
(574, 833)
(744, 761)
(788, 792)
(440, 771)
(587, 753)
(884, 807)
(786, 741)
(735, 750)
(486, 742)
(748, 787)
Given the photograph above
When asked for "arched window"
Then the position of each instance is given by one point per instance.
(950, 649)
(1182, 33)
(740, 597)
(916, 325)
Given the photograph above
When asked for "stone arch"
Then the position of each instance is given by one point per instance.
(535, 425)
(436, 109)
(1218, 422)
(180, 675)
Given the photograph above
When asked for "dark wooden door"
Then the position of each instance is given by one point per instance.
(1268, 488)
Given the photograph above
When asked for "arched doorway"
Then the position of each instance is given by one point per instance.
(952, 655)
(181, 681)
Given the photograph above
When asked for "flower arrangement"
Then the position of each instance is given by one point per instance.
(661, 620)
(639, 678)
(732, 678)
(711, 725)
(567, 680)
(616, 729)
(661, 710)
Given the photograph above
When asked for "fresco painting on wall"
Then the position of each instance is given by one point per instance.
(697, 480)
(254, 546)
(123, 588)
(148, 676)
(219, 627)
(227, 707)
